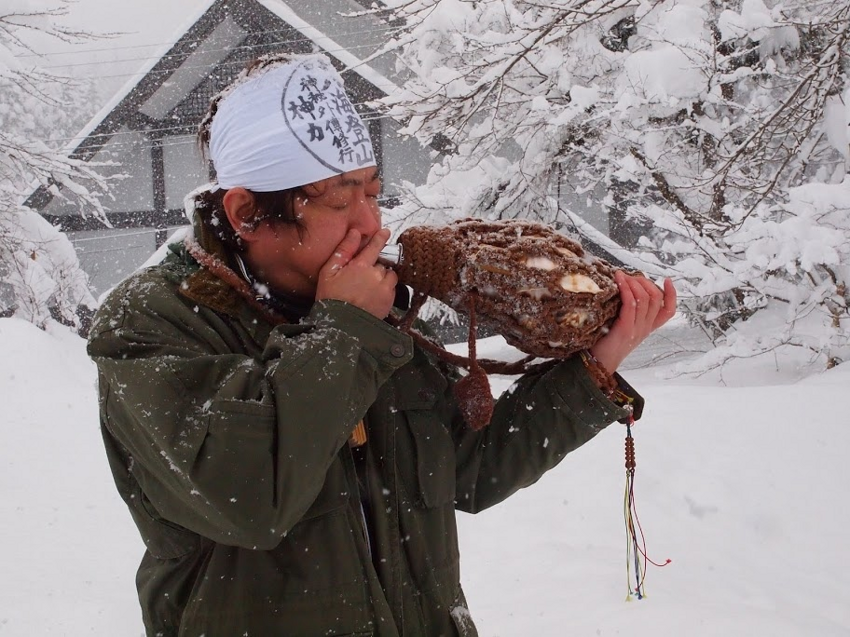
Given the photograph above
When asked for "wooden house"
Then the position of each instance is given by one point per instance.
(149, 129)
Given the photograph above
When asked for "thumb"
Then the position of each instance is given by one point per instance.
(344, 252)
(668, 307)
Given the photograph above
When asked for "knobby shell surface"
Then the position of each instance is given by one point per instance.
(534, 286)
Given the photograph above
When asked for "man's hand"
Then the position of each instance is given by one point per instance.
(645, 309)
(353, 275)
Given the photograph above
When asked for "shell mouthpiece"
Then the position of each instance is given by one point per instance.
(391, 255)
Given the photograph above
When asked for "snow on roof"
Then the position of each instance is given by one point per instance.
(277, 7)
(147, 67)
(324, 42)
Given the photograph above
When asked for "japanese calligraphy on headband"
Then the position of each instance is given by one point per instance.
(290, 126)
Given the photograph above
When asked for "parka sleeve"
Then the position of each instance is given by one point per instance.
(235, 447)
(539, 420)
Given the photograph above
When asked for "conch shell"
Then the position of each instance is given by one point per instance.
(534, 286)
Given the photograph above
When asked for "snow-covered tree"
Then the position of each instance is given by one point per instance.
(40, 273)
(714, 132)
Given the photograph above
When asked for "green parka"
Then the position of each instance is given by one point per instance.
(228, 440)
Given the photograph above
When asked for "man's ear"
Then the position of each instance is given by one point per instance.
(241, 212)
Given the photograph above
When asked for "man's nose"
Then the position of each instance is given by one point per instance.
(368, 219)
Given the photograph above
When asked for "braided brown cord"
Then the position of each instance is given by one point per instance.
(474, 396)
(596, 370)
(406, 322)
(489, 365)
(215, 266)
(472, 339)
(631, 463)
(535, 287)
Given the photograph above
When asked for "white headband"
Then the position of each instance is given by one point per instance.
(289, 126)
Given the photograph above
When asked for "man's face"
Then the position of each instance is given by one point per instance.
(289, 260)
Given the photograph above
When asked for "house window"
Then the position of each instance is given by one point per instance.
(184, 170)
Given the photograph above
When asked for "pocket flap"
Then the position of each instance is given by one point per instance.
(418, 388)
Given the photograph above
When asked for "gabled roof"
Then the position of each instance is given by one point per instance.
(205, 54)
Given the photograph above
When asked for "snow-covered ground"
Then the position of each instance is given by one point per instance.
(743, 487)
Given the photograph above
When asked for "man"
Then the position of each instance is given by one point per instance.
(292, 461)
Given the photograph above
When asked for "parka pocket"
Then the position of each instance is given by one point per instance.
(432, 452)
(163, 539)
(245, 418)
(249, 428)
(435, 459)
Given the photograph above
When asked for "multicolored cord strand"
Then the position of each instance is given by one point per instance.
(636, 556)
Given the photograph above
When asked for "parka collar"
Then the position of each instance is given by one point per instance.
(216, 284)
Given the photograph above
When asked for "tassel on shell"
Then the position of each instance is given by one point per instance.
(475, 399)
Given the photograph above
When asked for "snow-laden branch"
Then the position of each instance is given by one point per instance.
(40, 276)
(692, 125)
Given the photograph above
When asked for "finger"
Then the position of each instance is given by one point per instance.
(627, 310)
(369, 254)
(641, 298)
(344, 252)
(380, 271)
(655, 299)
(390, 278)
